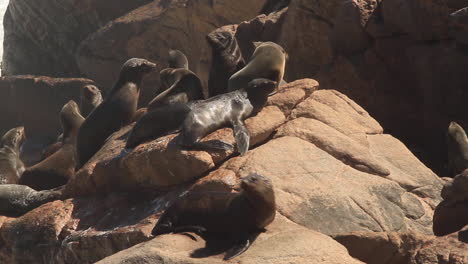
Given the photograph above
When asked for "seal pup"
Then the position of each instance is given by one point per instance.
(16, 200)
(199, 118)
(268, 61)
(239, 217)
(55, 170)
(11, 166)
(177, 59)
(90, 98)
(227, 59)
(116, 111)
(457, 143)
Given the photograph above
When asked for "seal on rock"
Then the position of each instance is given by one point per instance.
(55, 170)
(199, 118)
(183, 86)
(240, 217)
(177, 59)
(457, 143)
(90, 98)
(16, 200)
(227, 59)
(268, 61)
(116, 111)
(11, 166)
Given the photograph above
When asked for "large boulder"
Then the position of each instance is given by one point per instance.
(151, 30)
(41, 40)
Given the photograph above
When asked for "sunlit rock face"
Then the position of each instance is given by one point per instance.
(3, 7)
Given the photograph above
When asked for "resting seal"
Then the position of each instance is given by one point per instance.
(56, 169)
(457, 143)
(240, 217)
(11, 166)
(199, 118)
(226, 60)
(116, 111)
(16, 200)
(91, 97)
(268, 61)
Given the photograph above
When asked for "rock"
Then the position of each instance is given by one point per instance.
(407, 248)
(451, 215)
(284, 242)
(151, 30)
(421, 19)
(35, 103)
(40, 40)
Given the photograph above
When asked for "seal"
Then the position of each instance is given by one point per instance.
(16, 200)
(183, 86)
(116, 111)
(457, 146)
(56, 169)
(90, 98)
(199, 118)
(239, 217)
(11, 166)
(227, 59)
(177, 59)
(268, 61)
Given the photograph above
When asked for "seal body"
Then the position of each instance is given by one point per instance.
(236, 216)
(116, 111)
(199, 118)
(178, 86)
(268, 61)
(91, 98)
(56, 169)
(227, 59)
(457, 143)
(11, 166)
(16, 200)
(177, 59)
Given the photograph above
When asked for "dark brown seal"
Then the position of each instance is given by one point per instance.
(199, 118)
(177, 59)
(227, 59)
(116, 111)
(268, 61)
(239, 217)
(11, 166)
(457, 143)
(55, 170)
(16, 200)
(91, 97)
(178, 86)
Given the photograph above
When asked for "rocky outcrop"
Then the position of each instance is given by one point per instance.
(404, 248)
(152, 30)
(451, 215)
(35, 103)
(333, 170)
(41, 40)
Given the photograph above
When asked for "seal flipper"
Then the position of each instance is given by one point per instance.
(212, 144)
(237, 249)
(242, 136)
(195, 229)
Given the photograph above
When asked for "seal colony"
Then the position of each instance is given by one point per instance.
(181, 107)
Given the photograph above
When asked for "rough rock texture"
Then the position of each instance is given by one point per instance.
(40, 39)
(404, 248)
(332, 168)
(451, 215)
(35, 103)
(151, 30)
(403, 61)
(284, 242)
